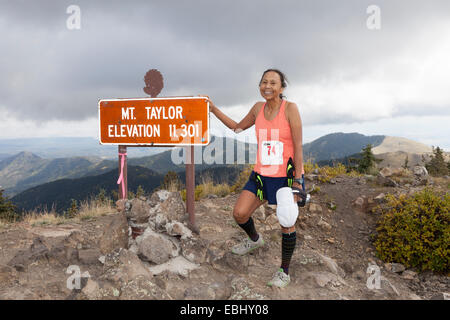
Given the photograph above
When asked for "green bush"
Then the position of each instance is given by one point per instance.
(7, 209)
(415, 231)
(242, 179)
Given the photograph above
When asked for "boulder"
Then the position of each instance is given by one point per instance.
(155, 247)
(159, 196)
(176, 228)
(194, 250)
(23, 258)
(420, 171)
(385, 181)
(122, 266)
(115, 235)
(139, 212)
(172, 207)
(386, 172)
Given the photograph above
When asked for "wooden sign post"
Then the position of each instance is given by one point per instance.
(150, 122)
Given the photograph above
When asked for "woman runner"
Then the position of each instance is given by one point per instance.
(279, 134)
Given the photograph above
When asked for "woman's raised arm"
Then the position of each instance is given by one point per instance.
(244, 124)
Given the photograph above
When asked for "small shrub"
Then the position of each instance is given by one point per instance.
(242, 179)
(309, 167)
(7, 209)
(140, 192)
(415, 231)
(73, 210)
(327, 173)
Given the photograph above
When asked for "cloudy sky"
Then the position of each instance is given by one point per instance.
(344, 75)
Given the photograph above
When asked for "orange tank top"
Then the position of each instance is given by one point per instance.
(275, 145)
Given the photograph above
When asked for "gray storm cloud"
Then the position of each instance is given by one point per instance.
(218, 48)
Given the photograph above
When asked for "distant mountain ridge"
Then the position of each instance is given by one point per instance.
(59, 194)
(26, 170)
(338, 145)
(66, 147)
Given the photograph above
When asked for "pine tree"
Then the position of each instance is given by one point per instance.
(437, 166)
(368, 160)
(405, 164)
(7, 209)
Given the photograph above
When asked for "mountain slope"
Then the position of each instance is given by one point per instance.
(58, 194)
(338, 145)
(395, 144)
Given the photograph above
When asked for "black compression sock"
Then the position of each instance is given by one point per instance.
(287, 249)
(249, 228)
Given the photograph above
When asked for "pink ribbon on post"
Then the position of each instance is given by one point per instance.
(122, 155)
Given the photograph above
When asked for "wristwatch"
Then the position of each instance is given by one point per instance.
(299, 180)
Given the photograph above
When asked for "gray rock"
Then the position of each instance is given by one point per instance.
(386, 172)
(409, 275)
(139, 212)
(332, 265)
(122, 265)
(115, 235)
(324, 225)
(176, 228)
(172, 207)
(420, 171)
(194, 250)
(380, 198)
(386, 182)
(89, 256)
(395, 267)
(155, 247)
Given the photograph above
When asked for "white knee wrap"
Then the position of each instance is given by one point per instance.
(287, 209)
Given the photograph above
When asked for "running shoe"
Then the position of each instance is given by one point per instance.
(280, 279)
(247, 245)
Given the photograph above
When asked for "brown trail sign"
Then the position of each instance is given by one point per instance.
(147, 122)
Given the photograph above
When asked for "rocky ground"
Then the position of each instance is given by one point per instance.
(146, 251)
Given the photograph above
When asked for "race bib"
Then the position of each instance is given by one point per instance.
(272, 153)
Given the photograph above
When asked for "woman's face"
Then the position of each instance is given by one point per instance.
(270, 86)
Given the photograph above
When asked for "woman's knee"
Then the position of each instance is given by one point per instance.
(240, 216)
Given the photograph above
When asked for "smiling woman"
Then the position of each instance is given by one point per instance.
(279, 135)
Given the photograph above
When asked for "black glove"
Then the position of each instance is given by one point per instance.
(302, 194)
